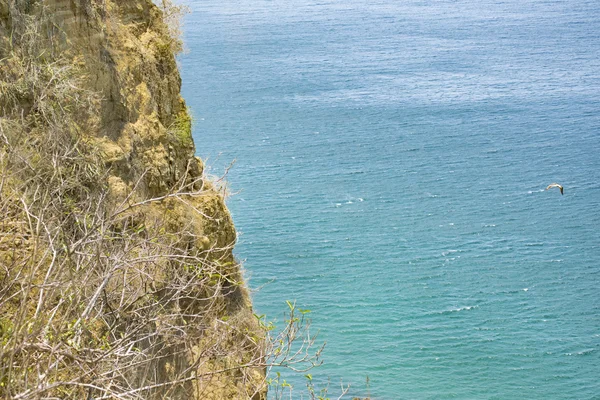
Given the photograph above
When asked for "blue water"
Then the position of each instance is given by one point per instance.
(391, 160)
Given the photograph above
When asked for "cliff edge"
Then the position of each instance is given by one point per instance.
(117, 278)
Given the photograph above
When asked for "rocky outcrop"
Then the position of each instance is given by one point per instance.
(136, 127)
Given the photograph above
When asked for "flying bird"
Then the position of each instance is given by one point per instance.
(555, 185)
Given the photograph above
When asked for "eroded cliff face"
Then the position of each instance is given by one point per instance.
(132, 243)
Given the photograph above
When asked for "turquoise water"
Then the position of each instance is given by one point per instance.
(391, 164)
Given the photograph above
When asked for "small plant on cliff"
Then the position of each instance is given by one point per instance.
(173, 14)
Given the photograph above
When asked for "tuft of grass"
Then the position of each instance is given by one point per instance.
(181, 129)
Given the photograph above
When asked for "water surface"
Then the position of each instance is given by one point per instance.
(391, 160)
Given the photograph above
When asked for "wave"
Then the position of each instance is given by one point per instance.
(456, 310)
(581, 353)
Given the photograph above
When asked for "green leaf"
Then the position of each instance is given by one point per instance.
(290, 305)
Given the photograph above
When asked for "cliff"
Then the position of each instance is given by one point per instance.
(117, 278)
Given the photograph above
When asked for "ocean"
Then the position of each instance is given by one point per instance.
(391, 160)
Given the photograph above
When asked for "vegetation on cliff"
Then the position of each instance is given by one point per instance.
(117, 278)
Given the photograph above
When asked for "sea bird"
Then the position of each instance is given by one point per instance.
(553, 185)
